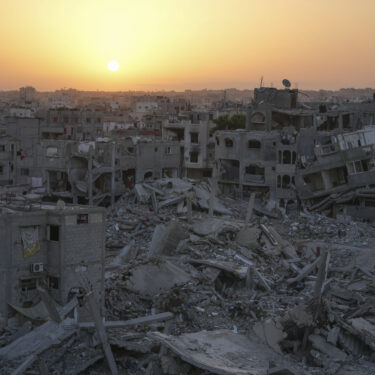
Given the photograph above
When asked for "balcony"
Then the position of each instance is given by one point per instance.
(254, 179)
(358, 153)
(327, 149)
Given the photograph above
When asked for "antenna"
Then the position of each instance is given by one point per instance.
(261, 81)
(286, 83)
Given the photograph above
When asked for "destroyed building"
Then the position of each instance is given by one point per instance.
(197, 148)
(59, 248)
(196, 277)
(66, 155)
(292, 154)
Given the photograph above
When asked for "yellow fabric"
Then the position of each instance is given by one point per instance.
(30, 240)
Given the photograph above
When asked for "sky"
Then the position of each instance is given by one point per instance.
(193, 44)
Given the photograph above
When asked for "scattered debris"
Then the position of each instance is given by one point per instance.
(229, 294)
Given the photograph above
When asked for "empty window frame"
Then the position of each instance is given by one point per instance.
(285, 182)
(228, 142)
(194, 137)
(53, 282)
(193, 157)
(253, 143)
(53, 232)
(82, 219)
(287, 157)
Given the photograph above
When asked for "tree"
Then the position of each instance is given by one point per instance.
(237, 121)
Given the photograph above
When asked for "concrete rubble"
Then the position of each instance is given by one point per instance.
(193, 292)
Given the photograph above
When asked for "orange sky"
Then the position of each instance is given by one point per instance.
(176, 44)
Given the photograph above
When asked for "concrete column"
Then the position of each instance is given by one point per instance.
(14, 172)
(340, 122)
(250, 208)
(212, 198)
(89, 180)
(326, 180)
(189, 209)
(113, 174)
(47, 181)
(240, 178)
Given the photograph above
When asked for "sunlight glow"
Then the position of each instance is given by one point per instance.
(194, 44)
(113, 65)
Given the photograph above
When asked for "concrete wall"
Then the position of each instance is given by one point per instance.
(75, 260)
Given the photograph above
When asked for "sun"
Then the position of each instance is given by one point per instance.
(113, 65)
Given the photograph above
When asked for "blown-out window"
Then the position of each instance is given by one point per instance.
(228, 142)
(253, 143)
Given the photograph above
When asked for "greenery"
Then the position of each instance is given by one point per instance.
(229, 123)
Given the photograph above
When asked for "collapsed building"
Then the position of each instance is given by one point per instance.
(293, 154)
(188, 278)
(188, 290)
(66, 160)
(297, 156)
(197, 147)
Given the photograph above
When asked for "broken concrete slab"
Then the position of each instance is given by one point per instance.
(141, 193)
(223, 352)
(233, 268)
(217, 207)
(333, 335)
(128, 253)
(171, 201)
(271, 333)
(175, 185)
(319, 343)
(144, 320)
(248, 237)
(166, 239)
(213, 226)
(364, 327)
(301, 316)
(153, 278)
(38, 340)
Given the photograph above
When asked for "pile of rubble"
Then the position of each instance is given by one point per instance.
(200, 284)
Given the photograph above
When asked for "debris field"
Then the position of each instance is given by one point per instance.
(197, 283)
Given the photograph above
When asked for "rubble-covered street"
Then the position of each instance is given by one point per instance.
(197, 284)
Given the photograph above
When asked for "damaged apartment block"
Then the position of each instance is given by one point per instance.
(292, 155)
(58, 248)
(232, 252)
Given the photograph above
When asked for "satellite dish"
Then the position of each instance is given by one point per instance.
(286, 83)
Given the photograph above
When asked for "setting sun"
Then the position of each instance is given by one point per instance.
(113, 65)
(153, 45)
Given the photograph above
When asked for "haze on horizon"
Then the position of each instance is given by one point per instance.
(180, 45)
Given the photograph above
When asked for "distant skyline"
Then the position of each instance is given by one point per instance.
(173, 45)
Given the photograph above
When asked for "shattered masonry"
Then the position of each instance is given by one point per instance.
(230, 252)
